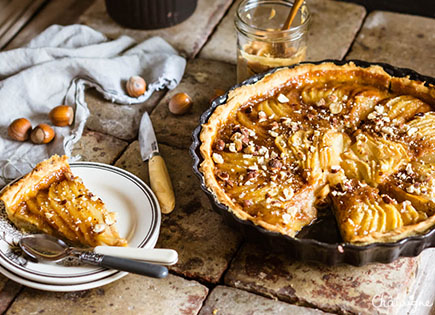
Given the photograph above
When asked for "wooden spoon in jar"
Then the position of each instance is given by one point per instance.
(280, 48)
(292, 14)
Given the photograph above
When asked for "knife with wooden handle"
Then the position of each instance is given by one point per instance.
(159, 177)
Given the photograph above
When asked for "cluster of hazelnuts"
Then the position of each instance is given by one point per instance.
(21, 129)
(179, 104)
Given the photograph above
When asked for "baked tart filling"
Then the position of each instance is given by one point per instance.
(353, 138)
(52, 200)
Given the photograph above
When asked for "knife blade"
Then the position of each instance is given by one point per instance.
(159, 176)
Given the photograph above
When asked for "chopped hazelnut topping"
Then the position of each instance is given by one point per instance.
(335, 169)
(110, 218)
(288, 193)
(274, 125)
(387, 199)
(275, 164)
(252, 174)
(220, 145)
(379, 109)
(250, 150)
(273, 133)
(99, 228)
(387, 130)
(238, 145)
(282, 98)
(236, 136)
(253, 167)
(371, 116)
(232, 147)
(332, 97)
(286, 218)
(223, 175)
(335, 108)
(247, 203)
(217, 158)
(411, 131)
(321, 102)
(262, 116)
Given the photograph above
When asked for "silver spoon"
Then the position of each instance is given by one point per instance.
(46, 247)
(161, 256)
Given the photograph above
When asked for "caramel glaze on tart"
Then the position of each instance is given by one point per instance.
(354, 138)
(52, 200)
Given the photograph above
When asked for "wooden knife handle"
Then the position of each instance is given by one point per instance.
(161, 183)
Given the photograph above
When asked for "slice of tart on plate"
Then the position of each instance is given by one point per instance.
(52, 200)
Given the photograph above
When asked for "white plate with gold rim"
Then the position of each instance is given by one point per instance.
(138, 221)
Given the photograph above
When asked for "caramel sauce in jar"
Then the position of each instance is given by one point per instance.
(261, 43)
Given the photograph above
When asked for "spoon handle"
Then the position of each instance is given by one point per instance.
(162, 256)
(128, 265)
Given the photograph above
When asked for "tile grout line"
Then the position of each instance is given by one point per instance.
(221, 281)
(356, 34)
(30, 19)
(17, 294)
(214, 30)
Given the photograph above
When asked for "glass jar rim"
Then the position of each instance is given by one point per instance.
(256, 3)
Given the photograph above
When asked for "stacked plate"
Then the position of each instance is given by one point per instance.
(138, 221)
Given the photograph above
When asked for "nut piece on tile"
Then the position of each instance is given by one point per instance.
(180, 103)
(62, 115)
(136, 86)
(42, 134)
(20, 129)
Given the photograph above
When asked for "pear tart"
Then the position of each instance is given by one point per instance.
(355, 138)
(52, 200)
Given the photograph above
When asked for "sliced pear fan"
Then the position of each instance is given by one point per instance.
(355, 101)
(422, 129)
(363, 211)
(372, 159)
(402, 108)
(415, 183)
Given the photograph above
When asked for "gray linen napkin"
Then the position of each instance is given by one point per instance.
(56, 67)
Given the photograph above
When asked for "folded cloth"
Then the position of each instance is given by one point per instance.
(54, 69)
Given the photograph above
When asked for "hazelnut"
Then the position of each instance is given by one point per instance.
(20, 129)
(42, 133)
(136, 86)
(180, 103)
(62, 115)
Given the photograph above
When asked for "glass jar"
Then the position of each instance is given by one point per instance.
(261, 42)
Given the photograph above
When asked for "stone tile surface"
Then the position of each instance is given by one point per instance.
(204, 243)
(201, 79)
(8, 291)
(97, 147)
(187, 37)
(335, 289)
(228, 301)
(62, 12)
(334, 26)
(399, 39)
(131, 295)
(121, 121)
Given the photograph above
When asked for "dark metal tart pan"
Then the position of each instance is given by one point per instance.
(320, 241)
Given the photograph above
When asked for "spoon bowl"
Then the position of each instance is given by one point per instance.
(44, 247)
